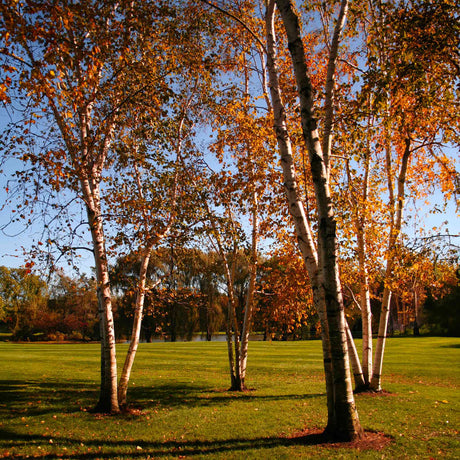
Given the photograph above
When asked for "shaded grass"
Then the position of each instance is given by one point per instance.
(181, 406)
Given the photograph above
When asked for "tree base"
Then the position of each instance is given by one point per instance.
(370, 440)
(240, 388)
(105, 407)
(365, 389)
(338, 434)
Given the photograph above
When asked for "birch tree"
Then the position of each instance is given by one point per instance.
(408, 110)
(65, 59)
(343, 421)
(243, 149)
(226, 236)
(393, 125)
(149, 197)
(74, 62)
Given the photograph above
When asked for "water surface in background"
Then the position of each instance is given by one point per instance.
(202, 338)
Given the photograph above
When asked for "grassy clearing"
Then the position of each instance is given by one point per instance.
(184, 410)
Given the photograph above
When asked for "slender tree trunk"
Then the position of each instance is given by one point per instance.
(102, 340)
(362, 384)
(237, 382)
(141, 288)
(359, 210)
(365, 298)
(395, 230)
(248, 313)
(233, 343)
(251, 288)
(136, 331)
(231, 356)
(345, 424)
(355, 363)
(381, 340)
(108, 399)
(366, 313)
(233, 338)
(296, 208)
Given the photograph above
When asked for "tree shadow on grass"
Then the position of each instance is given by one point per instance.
(180, 394)
(170, 395)
(142, 449)
(35, 398)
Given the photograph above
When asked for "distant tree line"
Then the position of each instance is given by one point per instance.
(190, 299)
(62, 308)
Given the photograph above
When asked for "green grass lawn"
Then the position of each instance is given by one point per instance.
(183, 409)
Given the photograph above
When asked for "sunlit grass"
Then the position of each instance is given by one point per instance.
(183, 408)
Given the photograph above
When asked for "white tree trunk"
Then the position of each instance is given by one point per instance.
(381, 340)
(250, 294)
(136, 331)
(366, 314)
(395, 230)
(296, 208)
(345, 423)
(359, 211)
(233, 339)
(354, 360)
(108, 399)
